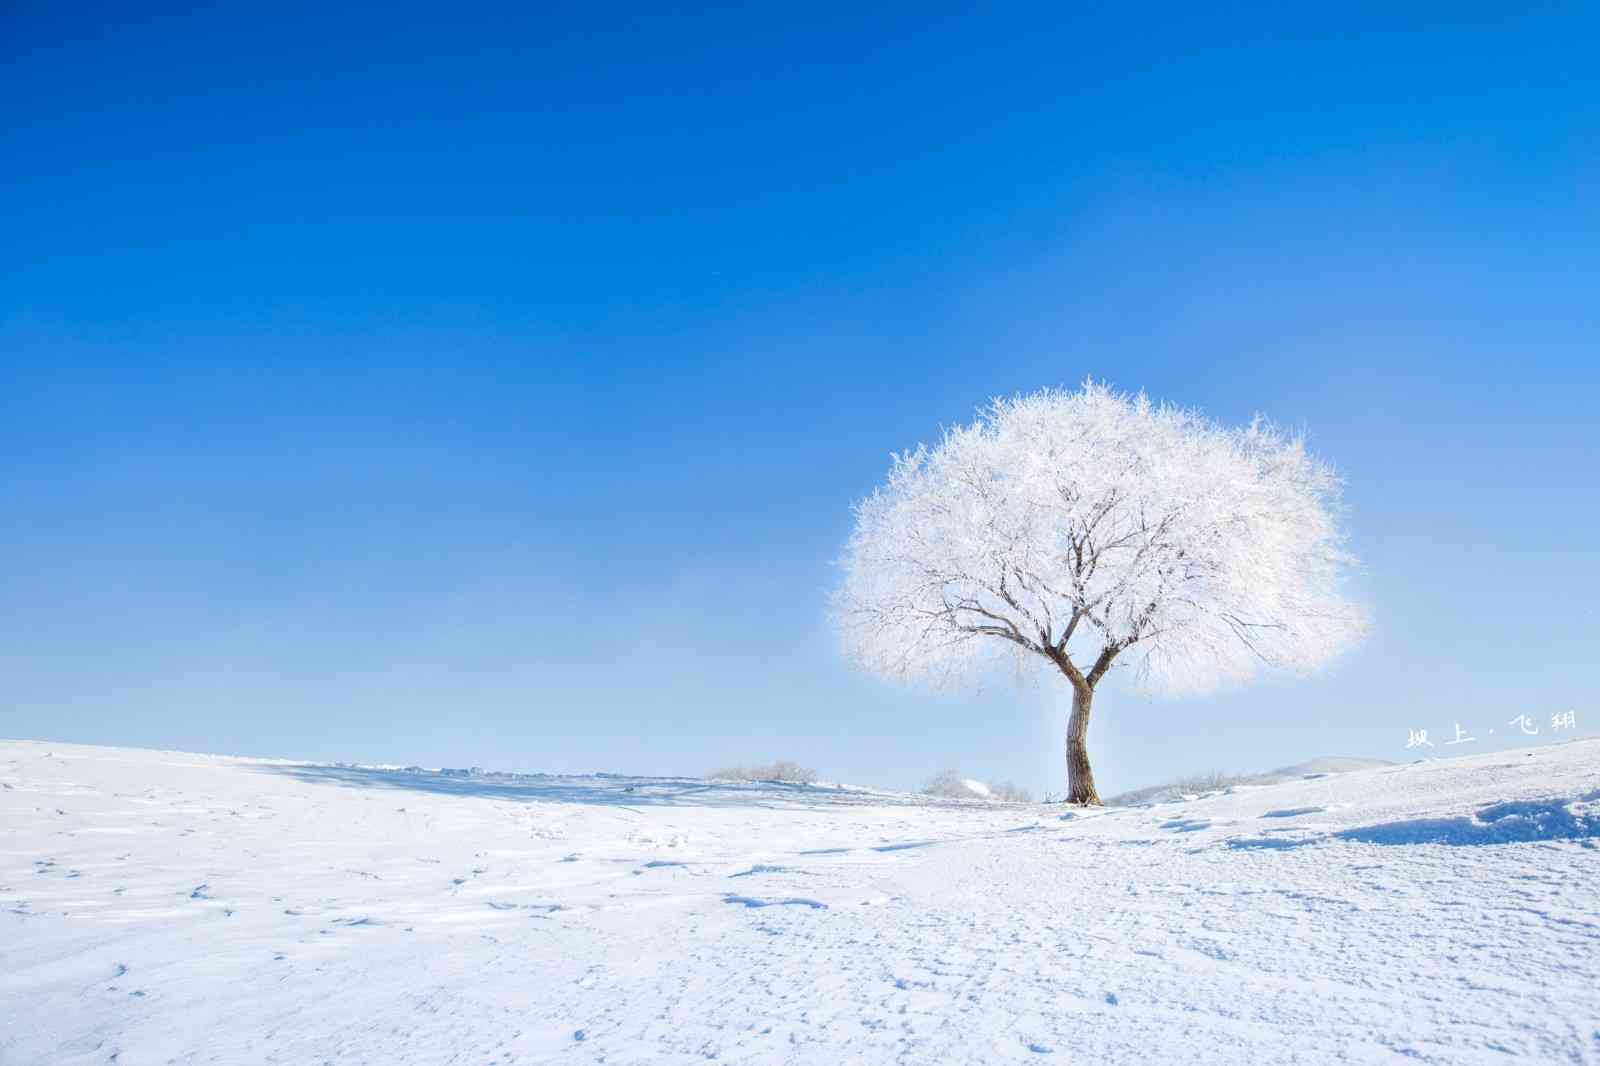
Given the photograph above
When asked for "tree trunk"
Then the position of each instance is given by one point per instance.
(1080, 779)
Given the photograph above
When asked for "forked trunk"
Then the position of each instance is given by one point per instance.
(1080, 779)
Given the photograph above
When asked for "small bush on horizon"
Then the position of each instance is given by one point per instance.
(1189, 784)
(949, 784)
(952, 784)
(1007, 792)
(1205, 781)
(784, 770)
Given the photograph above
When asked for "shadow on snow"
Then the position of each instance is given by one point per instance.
(1518, 822)
(603, 789)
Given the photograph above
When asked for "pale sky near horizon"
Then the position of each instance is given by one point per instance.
(491, 387)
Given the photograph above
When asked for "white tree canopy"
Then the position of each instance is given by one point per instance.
(1093, 528)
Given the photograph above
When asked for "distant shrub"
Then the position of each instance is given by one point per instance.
(1206, 781)
(1188, 785)
(1006, 792)
(782, 770)
(949, 784)
(952, 784)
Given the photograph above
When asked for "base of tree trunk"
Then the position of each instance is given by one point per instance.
(1080, 778)
(1080, 785)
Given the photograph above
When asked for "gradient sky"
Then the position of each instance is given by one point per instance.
(460, 386)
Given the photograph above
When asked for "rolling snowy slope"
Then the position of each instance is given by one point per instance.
(1329, 764)
(168, 908)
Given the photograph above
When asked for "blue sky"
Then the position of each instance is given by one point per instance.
(491, 386)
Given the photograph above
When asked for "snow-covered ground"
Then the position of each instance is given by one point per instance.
(168, 908)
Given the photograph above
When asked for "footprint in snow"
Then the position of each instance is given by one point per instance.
(1187, 825)
(1264, 843)
(793, 901)
(760, 869)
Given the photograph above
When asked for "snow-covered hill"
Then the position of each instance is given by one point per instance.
(168, 908)
(1326, 764)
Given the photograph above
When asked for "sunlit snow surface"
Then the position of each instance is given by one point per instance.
(169, 908)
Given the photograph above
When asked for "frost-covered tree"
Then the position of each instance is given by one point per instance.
(1092, 530)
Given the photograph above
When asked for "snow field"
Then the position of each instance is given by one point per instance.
(167, 908)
